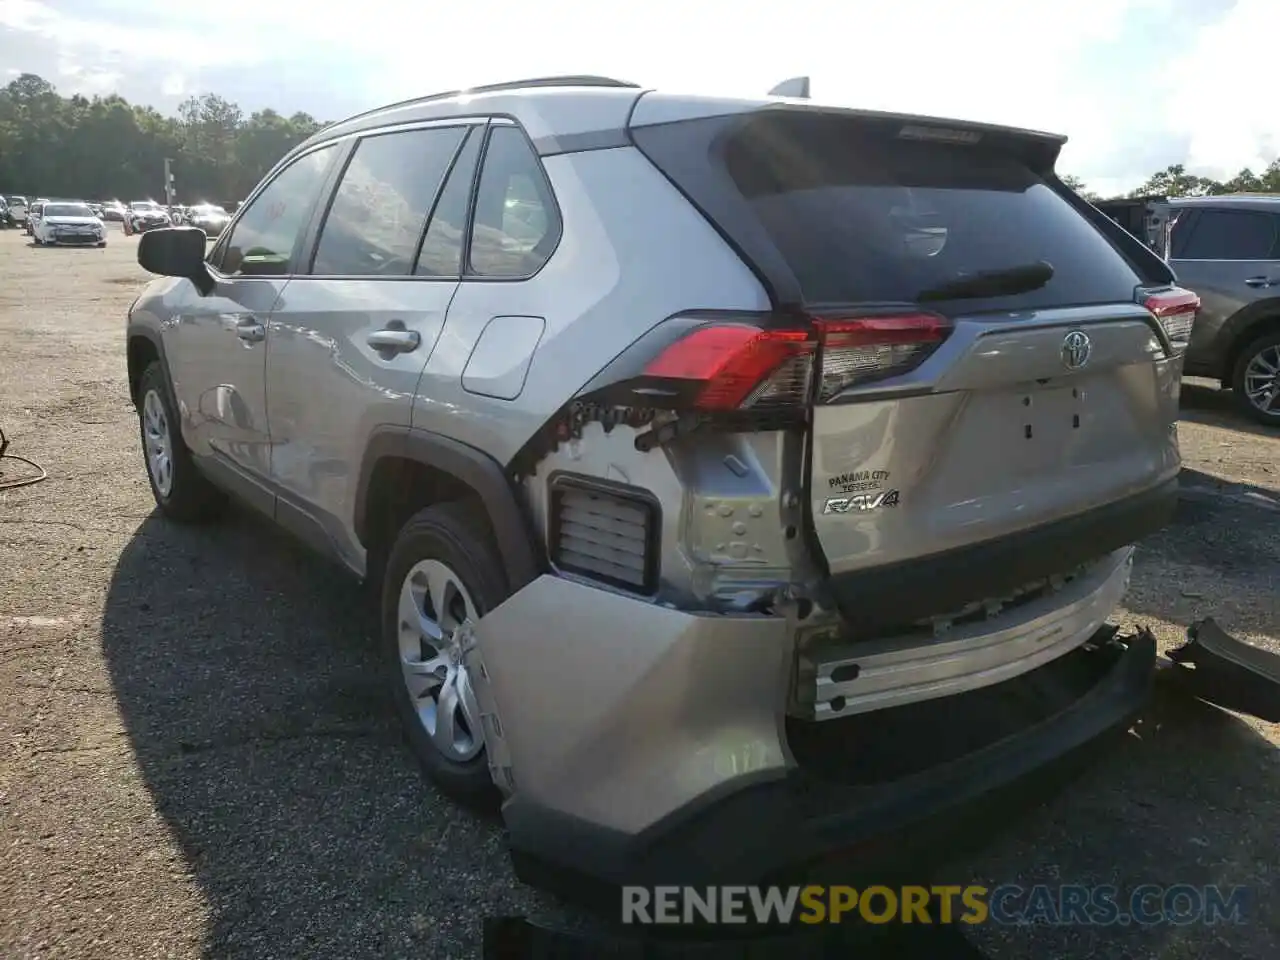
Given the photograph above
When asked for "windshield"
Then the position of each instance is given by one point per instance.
(208, 210)
(145, 205)
(18, 200)
(67, 210)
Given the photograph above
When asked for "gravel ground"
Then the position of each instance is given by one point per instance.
(197, 759)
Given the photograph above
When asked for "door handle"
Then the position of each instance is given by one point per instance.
(394, 341)
(250, 330)
(1259, 282)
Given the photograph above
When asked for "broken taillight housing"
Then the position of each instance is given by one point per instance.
(861, 349)
(734, 366)
(1175, 309)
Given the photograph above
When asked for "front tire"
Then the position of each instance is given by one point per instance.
(181, 491)
(1256, 380)
(443, 570)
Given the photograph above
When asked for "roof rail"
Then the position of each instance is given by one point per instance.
(569, 80)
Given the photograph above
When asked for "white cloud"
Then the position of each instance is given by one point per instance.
(1223, 94)
(1106, 72)
(148, 41)
(175, 85)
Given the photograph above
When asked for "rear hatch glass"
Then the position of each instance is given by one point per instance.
(859, 216)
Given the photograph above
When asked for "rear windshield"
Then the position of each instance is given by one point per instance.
(860, 215)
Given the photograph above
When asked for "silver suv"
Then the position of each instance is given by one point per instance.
(1227, 249)
(722, 461)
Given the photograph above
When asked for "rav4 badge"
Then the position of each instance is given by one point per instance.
(862, 502)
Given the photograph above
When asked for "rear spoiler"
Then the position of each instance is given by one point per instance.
(795, 87)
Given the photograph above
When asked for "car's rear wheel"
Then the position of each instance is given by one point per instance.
(181, 491)
(1256, 379)
(442, 573)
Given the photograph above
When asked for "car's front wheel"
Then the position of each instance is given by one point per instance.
(1256, 379)
(443, 572)
(181, 491)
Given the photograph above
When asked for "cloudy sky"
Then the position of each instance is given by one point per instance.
(1135, 84)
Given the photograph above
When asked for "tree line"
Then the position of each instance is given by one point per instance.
(1175, 181)
(106, 147)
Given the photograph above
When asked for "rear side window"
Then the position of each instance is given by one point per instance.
(1230, 235)
(516, 225)
(860, 215)
(381, 205)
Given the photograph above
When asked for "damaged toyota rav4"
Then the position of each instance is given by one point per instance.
(744, 478)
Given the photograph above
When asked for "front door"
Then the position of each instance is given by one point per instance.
(220, 340)
(349, 339)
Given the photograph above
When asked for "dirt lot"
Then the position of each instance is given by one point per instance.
(196, 759)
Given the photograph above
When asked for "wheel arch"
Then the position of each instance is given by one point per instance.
(144, 347)
(405, 469)
(1247, 325)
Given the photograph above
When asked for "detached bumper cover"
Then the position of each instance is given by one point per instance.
(765, 829)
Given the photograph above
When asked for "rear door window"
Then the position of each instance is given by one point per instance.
(441, 253)
(1231, 235)
(382, 203)
(864, 217)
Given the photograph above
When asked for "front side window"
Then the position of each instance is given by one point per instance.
(516, 224)
(261, 242)
(1230, 235)
(381, 206)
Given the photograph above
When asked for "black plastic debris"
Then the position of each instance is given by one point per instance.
(1216, 667)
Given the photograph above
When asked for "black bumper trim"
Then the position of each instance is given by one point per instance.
(945, 582)
(764, 829)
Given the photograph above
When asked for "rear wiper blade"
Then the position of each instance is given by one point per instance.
(992, 283)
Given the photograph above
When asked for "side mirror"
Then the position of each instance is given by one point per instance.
(175, 252)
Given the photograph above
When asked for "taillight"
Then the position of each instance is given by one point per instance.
(858, 350)
(740, 366)
(1176, 310)
(732, 367)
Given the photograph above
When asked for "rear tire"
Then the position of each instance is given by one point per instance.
(1256, 377)
(442, 570)
(181, 491)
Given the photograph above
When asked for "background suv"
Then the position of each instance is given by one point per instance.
(1227, 249)
(729, 467)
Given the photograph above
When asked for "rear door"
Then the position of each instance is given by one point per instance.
(350, 338)
(970, 408)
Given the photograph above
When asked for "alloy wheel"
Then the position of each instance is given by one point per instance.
(434, 603)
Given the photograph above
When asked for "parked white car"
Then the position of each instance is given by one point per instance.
(69, 223)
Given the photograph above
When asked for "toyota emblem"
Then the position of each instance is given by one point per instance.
(1076, 348)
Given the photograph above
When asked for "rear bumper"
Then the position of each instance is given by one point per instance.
(944, 582)
(766, 830)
